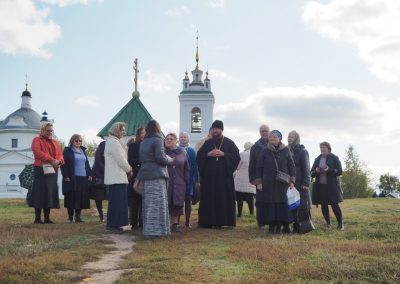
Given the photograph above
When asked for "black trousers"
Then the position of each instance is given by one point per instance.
(135, 210)
(336, 210)
(248, 198)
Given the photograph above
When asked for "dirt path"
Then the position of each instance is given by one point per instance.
(107, 268)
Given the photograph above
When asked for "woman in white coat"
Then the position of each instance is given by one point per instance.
(244, 189)
(116, 173)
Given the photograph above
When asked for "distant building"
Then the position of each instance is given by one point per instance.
(16, 133)
(196, 104)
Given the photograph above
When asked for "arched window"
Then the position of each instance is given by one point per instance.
(196, 120)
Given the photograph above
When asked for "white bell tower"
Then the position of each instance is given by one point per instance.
(196, 104)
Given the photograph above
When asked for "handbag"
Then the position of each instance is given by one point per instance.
(48, 169)
(138, 186)
(281, 176)
(293, 198)
(306, 225)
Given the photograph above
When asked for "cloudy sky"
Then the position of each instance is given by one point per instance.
(329, 69)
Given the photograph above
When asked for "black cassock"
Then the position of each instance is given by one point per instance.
(217, 199)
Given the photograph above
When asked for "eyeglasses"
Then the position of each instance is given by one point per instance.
(80, 141)
(49, 130)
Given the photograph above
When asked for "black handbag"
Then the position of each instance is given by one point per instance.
(281, 176)
(306, 225)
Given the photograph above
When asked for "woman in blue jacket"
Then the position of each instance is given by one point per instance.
(76, 173)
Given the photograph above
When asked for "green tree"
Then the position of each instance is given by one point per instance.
(389, 183)
(355, 177)
(91, 148)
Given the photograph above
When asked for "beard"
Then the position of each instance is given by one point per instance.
(217, 135)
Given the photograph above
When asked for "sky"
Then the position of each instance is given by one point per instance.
(328, 69)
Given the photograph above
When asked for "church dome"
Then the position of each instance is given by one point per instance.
(23, 118)
(26, 93)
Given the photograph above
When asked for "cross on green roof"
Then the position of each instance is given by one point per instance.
(134, 114)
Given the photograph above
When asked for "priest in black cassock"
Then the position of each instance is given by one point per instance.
(217, 159)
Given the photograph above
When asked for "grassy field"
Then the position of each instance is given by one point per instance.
(368, 251)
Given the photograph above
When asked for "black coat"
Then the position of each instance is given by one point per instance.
(134, 162)
(274, 191)
(255, 153)
(99, 161)
(303, 176)
(67, 170)
(302, 162)
(217, 198)
(331, 193)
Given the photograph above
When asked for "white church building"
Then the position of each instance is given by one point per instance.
(16, 133)
(196, 104)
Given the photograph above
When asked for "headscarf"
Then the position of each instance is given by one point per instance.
(115, 129)
(296, 140)
(277, 133)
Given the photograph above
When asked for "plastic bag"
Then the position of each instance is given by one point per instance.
(293, 197)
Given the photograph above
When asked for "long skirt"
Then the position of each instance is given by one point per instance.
(79, 197)
(155, 208)
(268, 213)
(117, 214)
(45, 190)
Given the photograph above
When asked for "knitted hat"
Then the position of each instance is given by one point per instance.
(277, 133)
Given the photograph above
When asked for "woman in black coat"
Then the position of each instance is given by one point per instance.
(326, 188)
(98, 190)
(302, 184)
(76, 173)
(134, 199)
(271, 194)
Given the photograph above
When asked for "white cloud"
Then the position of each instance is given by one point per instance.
(157, 83)
(26, 29)
(219, 74)
(318, 113)
(63, 3)
(369, 25)
(178, 11)
(216, 3)
(87, 101)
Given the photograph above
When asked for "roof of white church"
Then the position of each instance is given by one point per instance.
(22, 118)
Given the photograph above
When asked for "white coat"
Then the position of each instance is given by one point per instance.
(116, 162)
(242, 183)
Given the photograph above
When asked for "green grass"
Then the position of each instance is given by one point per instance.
(368, 251)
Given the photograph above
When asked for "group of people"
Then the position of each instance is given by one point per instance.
(171, 173)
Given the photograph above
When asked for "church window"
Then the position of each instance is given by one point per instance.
(196, 120)
(185, 85)
(197, 77)
(13, 177)
(14, 143)
(207, 85)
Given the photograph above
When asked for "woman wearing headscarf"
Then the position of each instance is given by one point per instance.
(302, 184)
(98, 190)
(135, 199)
(154, 174)
(244, 189)
(326, 188)
(271, 193)
(76, 173)
(116, 174)
(179, 178)
(47, 152)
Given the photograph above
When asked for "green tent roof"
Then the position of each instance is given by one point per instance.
(134, 114)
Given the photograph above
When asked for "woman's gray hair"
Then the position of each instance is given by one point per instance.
(296, 137)
(115, 129)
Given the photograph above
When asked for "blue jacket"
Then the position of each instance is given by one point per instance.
(67, 169)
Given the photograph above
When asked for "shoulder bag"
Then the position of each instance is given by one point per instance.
(281, 176)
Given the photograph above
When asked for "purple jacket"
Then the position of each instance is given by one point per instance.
(179, 177)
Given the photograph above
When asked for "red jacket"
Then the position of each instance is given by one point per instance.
(46, 151)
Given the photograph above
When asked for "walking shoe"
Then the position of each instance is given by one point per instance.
(37, 222)
(48, 221)
(340, 227)
(189, 226)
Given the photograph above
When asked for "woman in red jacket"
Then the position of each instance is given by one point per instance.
(48, 158)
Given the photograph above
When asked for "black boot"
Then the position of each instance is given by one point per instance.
(78, 216)
(70, 215)
(99, 205)
(272, 228)
(47, 216)
(188, 212)
(38, 212)
(286, 229)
